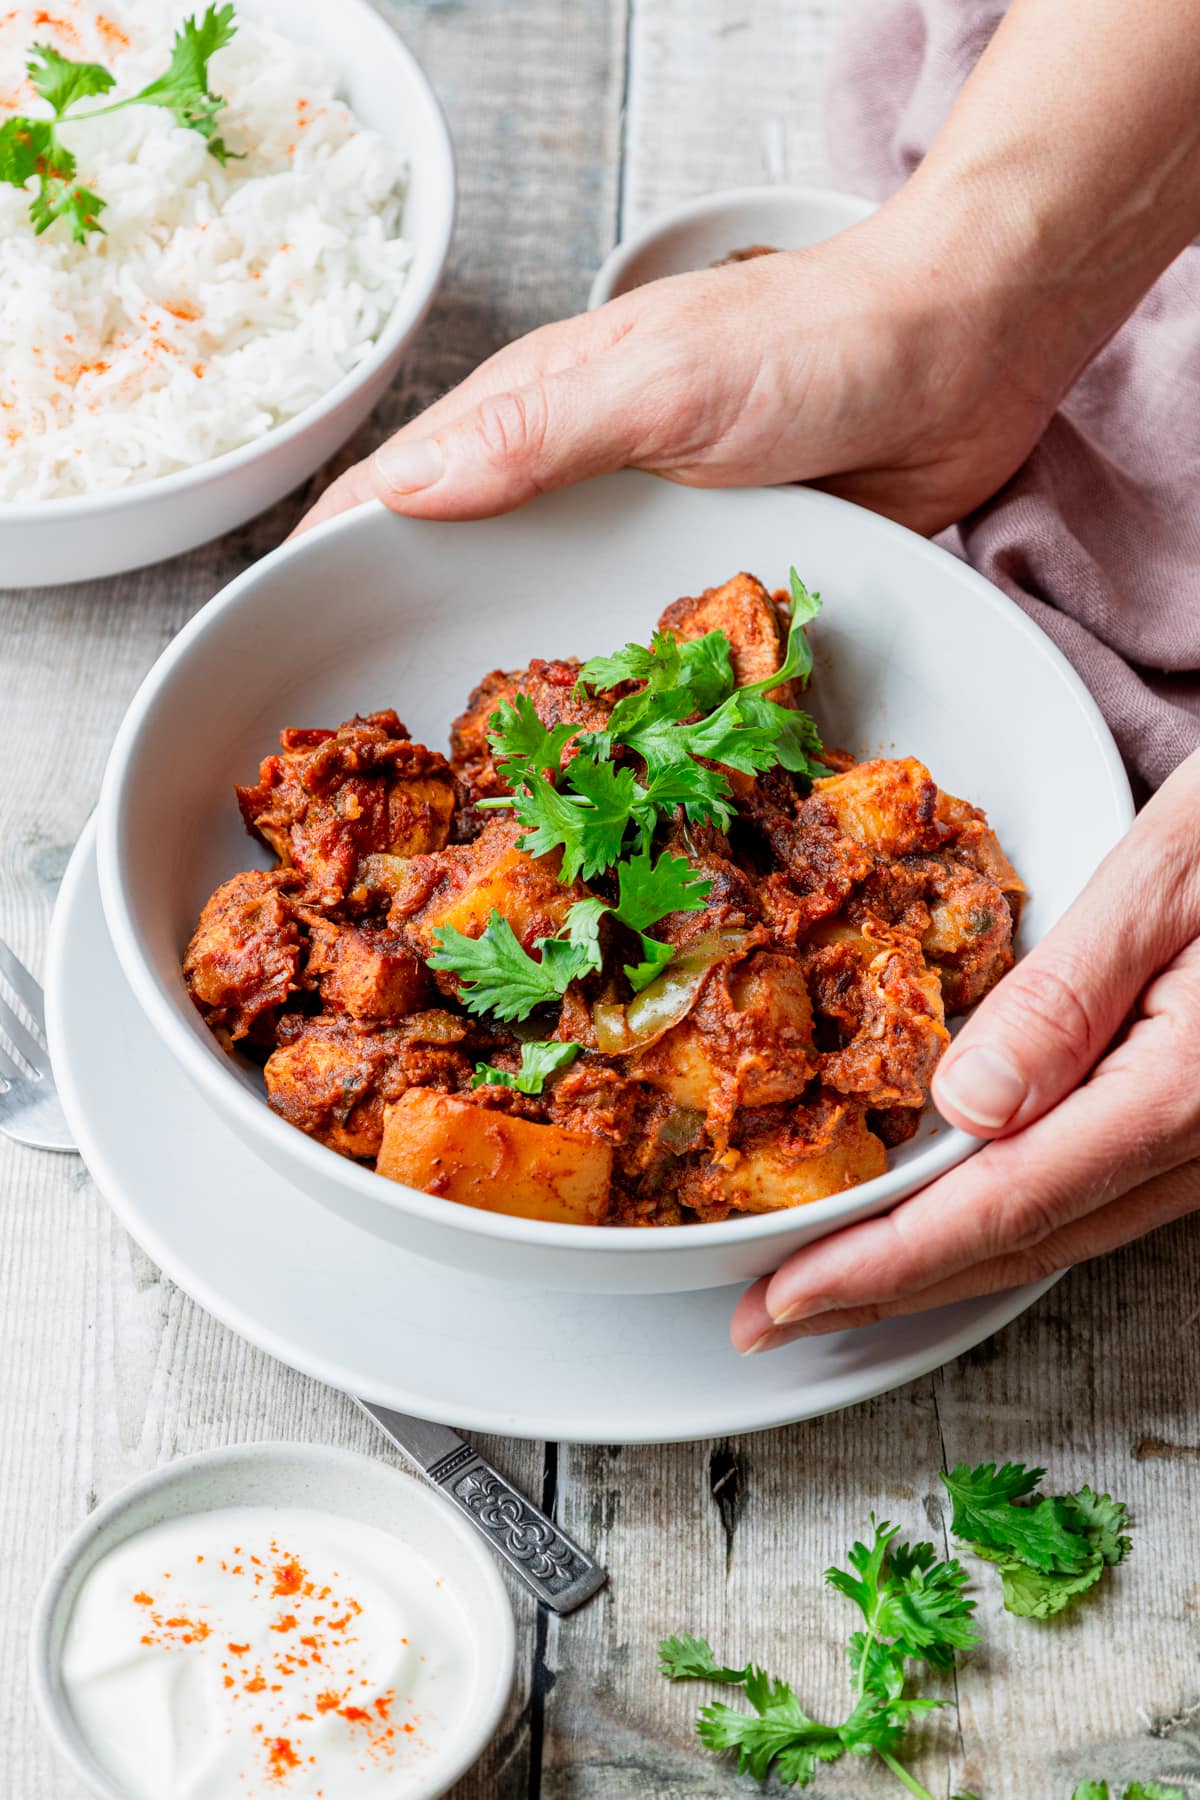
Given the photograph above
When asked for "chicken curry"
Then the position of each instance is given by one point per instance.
(640, 951)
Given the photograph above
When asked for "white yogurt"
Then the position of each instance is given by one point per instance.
(259, 1653)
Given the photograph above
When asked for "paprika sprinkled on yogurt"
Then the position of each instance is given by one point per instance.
(299, 1654)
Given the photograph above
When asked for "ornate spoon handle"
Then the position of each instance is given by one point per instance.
(555, 1569)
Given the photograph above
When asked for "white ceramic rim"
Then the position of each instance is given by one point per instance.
(477, 1729)
(229, 1096)
(707, 206)
(409, 311)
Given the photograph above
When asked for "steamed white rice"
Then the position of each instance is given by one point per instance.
(221, 301)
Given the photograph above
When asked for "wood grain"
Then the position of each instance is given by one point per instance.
(569, 115)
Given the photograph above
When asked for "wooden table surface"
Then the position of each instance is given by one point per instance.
(574, 120)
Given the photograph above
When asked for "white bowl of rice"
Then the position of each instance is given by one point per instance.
(171, 377)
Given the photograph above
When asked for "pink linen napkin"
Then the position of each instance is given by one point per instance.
(1097, 536)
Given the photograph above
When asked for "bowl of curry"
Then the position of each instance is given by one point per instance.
(561, 899)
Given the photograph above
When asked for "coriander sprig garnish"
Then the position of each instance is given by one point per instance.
(913, 1607)
(1050, 1547)
(33, 149)
(602, 806)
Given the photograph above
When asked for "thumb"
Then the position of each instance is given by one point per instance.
(513, 445)
(1043, 1029)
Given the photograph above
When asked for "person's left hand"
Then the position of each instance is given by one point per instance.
(1082, 1068)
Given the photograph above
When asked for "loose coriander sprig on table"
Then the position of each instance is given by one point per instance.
(32, 149)
(1050, 1548)
(602, 813)
(913, 1608)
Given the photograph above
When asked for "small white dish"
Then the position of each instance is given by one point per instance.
(292, 1475)
(365, 1315)
(47, 542)
(705, 231)
(916, 654)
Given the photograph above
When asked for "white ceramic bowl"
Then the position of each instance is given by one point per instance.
(915, 653)
(79, 539)
(703, 231)
(334, 1481)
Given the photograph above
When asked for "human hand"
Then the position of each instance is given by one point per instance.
(1080, 1067)
(878, 363)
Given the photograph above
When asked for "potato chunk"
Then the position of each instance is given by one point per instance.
(891, 807)
(463, 886)
(494, 1161)
(747, 1043)
(819, 1150)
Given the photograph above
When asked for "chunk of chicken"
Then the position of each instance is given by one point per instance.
(871, 986)
(367, 973)
(746, 613)
(551, 689)
(890, 807)
(331, 798)
(244, 959)
(494, 1160)
(747, 1042)
(334, 1081)
(462, 887)
(786, 1161)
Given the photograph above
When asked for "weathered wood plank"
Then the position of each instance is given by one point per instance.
(723, 93)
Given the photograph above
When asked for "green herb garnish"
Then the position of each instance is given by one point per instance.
(913, 1608)
(32, 149)
(602, 813)
(537, 1062)
(1137, 1790)
(1049, 1548)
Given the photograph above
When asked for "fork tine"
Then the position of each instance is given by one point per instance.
(22, 1040)
(23, 985)
(9, 1070)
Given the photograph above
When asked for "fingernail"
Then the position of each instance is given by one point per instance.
(806, 1309)
(770, 1340)
(406, 465)
(983, 1086)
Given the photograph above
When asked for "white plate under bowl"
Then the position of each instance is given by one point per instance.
(706, 230)
(369, 1317)
(279, 1475)
(915, 653)
(81, 538)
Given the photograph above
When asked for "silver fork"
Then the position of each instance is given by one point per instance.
(30, 1111)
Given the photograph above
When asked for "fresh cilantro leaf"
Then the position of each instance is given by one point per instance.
(907, 1598)
(793, 735)
(1032, 1594)
(522, 743)
(797, 655)
(705, 669)
(564, 962)
(603, 673)
(777, 1727)
(538, 1060)
(655, 957)
(497, 974)
(1100, 1519)
(1137, 1790)
(61, 81)
(588, 824)
(582, 929)
(686, 1658)
(25, 145)
(985, 1515)
(703, 793)
(649, 889)
(183, 88)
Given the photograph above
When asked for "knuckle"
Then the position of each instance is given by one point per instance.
(513, 425)
(1046, 1002)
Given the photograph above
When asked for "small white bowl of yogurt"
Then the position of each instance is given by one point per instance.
(272, 1622)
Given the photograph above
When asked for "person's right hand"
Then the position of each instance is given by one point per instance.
(885, 369)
